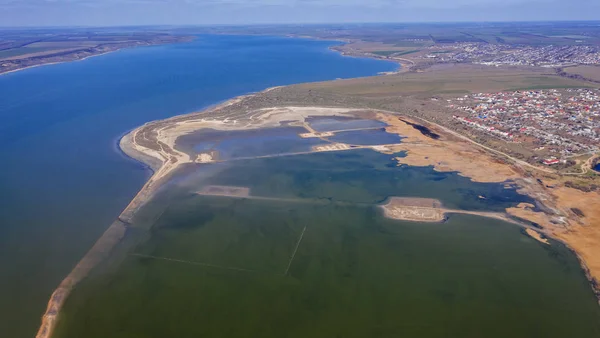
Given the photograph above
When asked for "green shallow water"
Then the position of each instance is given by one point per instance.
(205, 266)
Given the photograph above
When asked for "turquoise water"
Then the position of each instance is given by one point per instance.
(63, 180)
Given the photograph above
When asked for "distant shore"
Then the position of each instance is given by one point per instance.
(91, 55)
(59, 62)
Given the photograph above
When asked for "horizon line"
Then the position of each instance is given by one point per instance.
(302, 23)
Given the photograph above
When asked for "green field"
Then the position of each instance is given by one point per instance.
(385, 52)
(394, 52)
(22, 51)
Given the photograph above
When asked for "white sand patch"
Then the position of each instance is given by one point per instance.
(205, 158)
(382, 149)
(332, 147)
(316, 135)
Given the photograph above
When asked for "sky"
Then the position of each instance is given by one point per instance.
(207, 12)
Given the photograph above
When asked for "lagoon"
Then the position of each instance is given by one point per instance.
(306, 252)
(63, 180)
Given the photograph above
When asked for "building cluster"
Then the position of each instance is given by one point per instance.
(504, 54)
(564, 123)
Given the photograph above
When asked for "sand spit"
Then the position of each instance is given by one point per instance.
(316, 135)
(100, 251)
(431, 210)
(537, 236)
(157, 140)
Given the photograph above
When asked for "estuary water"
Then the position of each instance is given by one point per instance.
(295, 246)
(63, 180)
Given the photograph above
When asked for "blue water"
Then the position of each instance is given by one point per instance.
(366, 137)
(239, 144)
(63, 180)
(597, 167)
(339, 123)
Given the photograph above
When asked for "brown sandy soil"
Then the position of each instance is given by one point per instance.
(585, 71)
(431, 210)
(414, 209)
(537, 236)
(417, 214)
(445, 153)
(524, 211)
(583, 236)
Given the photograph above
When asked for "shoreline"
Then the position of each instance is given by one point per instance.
(101, 249)
(119, 150)
(161, 166)
(403, 65)
(116, 231)
(87, 57)
(60, 62)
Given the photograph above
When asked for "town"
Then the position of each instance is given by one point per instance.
(506, 54)
(562, 123)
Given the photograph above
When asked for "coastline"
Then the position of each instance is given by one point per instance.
(87, 57)
(57, 63)
(403, 65)
(116, 231)
(161, 167)
(101, 249)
